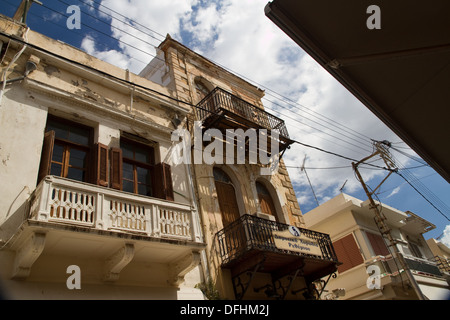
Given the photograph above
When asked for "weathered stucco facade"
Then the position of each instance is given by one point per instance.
(56, 211)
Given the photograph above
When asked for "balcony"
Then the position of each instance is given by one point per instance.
(252, 244)
(223, 110)
(119, 227)
(390, 266)
(75, 203)
(429, 278)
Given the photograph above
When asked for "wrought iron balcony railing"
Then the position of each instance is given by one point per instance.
(221, 102)
(253, 233)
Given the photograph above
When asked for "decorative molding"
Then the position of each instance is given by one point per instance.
(119, 260)
(55, 95)
(27, 254)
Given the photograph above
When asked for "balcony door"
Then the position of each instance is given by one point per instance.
(227, 197)
(265, 200)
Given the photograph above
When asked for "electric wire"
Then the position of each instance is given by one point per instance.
(284, 98)
(298, 142)
(275, 103)
(36, 47)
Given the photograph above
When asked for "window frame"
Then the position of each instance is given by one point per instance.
(67, 146)
(139, 164)
(348, 252)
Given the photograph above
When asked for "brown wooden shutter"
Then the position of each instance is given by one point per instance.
(347, 252)
(46, 155)
(378, 245)
(163, 181)
(116, 168)
(101, 164)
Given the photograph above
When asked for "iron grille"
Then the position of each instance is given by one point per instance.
(220, 100)
(254, 233)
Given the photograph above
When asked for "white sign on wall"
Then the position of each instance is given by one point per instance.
(292, 239)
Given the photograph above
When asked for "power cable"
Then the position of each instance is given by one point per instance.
(105, 34)
(153, 31)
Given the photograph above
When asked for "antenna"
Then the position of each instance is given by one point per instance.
(309, 181)
(342, 188)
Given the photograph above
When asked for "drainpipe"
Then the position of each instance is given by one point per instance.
(18, 54)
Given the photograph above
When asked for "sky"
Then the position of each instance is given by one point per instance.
(237, 35)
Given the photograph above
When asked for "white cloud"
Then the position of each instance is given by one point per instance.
(446, 237)
(237, 34)
(111, 56)
(394, 192)
(138, 26)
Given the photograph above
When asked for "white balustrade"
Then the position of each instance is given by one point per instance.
(70, 202)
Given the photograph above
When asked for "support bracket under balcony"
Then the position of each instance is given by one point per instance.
(240, 287)
(179, 268)
(325, 282)
(115, 263)
(27, 254)
(290, 277)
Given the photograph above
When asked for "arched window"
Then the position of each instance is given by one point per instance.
(265, 200)
(201, 89)
(227, 197)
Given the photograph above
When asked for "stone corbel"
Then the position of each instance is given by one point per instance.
(179, 268)
(27, 254)
(115, 263)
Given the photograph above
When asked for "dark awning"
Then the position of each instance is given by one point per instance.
(401, 72)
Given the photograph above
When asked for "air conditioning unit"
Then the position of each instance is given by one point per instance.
(265, 216)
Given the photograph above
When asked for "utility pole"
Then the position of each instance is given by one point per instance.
(382, 150)
(22, 10)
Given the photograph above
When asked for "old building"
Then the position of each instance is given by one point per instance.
(369, 269)
(441, 255)
(250, 215)
(169, 184)
(90, 208)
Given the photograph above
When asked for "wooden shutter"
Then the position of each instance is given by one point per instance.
(347, 252)
(46, 155)
(163, 181)
(116, 168)
(378, 245)
(101, 164)
(227, 202)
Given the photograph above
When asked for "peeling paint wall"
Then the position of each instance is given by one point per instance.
(74, 86)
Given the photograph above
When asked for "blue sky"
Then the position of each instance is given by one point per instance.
(237, 35)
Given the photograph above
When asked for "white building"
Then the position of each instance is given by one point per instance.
(368, 270)
(91, 206)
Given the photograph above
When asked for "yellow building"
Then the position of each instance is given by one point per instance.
(246, 212)
(369, 271)
(441, 255)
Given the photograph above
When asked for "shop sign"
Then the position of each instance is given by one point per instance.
(293, 240)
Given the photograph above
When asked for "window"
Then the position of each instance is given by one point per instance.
(415, 250)
(133, 169)
(378, 244)
(67, 148)
(201, 89)
(265, 200)
(138, 167)
(68, 152)
(226, 195)
(347, 252)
